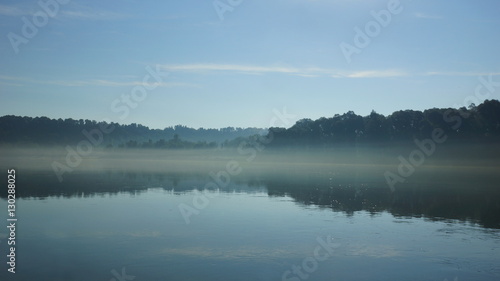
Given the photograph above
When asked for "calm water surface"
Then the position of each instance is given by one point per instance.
(97, 225)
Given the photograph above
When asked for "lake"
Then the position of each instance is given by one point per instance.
(129, 226)
(294, 223)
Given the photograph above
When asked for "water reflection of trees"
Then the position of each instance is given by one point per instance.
(475, 204)
(464, 200)
(41, 185)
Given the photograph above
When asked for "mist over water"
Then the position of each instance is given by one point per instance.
(464, 164)
(253, 214)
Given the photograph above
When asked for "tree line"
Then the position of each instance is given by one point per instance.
(18, 130)
(475, 123)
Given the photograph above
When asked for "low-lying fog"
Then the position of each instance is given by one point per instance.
(451, 163)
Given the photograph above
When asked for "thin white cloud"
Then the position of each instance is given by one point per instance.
(96, 82)
(310, 72)
(137, 83)
(92, 15)
(76, 11)
(452, 73)
(5, 77)
(71, 11)
(377, 74)
(229, 67)
(287, 70)
(307, 75)
(14, 11)
(10, 84)
(427, 16)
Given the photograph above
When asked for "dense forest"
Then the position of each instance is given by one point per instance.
(476, 123)
(17, 130)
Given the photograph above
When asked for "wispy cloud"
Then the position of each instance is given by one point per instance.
(76, 11)
(427, 16)
(287, 70)
(14, 11)
(311, 72)
(109, 83)
(454, 73)
(229, 67)
(19, 81)
(9, 83)
(70, 11)
(89, 14)
(377, 74)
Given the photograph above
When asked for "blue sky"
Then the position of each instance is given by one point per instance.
(235, 70)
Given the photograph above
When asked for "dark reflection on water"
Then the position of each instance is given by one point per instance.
(437, 202)
(256, 228)
(467, 201)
